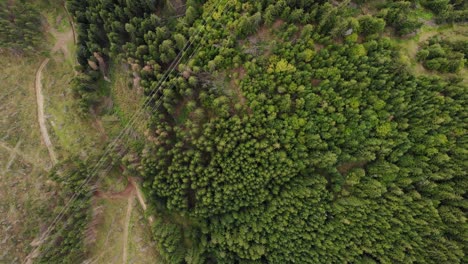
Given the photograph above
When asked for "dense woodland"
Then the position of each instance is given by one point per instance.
(19, 27)
(290, 131)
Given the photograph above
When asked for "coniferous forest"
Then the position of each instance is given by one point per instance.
(290, 131)
(19, 22)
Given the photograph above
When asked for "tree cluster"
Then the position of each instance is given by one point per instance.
(442, 55)
(449, 11)
(20, 27)
(65, 244)
(398, 15)
(286, 137)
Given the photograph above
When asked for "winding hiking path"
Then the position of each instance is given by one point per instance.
(40, 112)
(60, 44)
(70, 20)
(141, 199)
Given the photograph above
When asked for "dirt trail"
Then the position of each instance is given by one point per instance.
(127, 227)
(61, 40)
(40, 112)
(131, 190)
(141, 199)
(70, 20)
(60, 44)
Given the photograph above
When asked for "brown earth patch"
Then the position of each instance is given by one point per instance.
(127, 192)
(344, 168)
(318, 47)
(278, 23)
(316, 82)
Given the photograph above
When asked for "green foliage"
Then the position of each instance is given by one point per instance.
(169, 239)
(448, 10)
(66, 241)
(86, 91)
(285, 145)
(370, 25)
(443, 56)
(20, 27)
(397, 14)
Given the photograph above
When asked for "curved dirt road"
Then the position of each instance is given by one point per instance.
(60, 44)
(40, 112)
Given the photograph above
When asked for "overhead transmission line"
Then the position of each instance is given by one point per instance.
(111, 146)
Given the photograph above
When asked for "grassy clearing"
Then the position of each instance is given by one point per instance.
(423, 14)
(108, 246)
(122, 102)
(72, 134)
(127, 99)
(24, 191)
(141, 248)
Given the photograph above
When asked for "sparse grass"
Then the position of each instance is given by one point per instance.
(73, 134)
(18, 104)
(23, 198)
(24, 190)
(141, 248)
(114, 182)
(127, 100)
(423, 14)
(108, 246)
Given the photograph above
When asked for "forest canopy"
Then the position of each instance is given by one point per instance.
(19, 27)
(292, 131)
